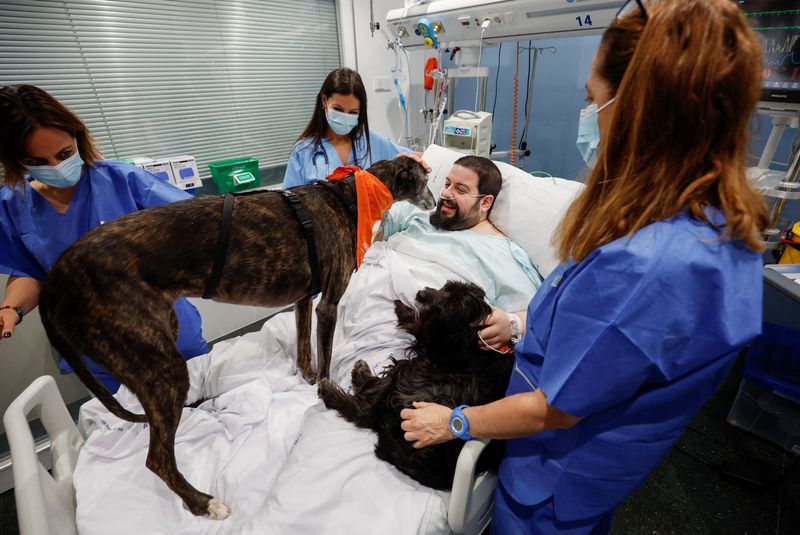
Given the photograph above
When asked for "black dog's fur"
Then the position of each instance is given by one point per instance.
(110, 295)
(445, 366)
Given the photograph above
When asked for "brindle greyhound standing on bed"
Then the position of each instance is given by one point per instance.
(110, 295)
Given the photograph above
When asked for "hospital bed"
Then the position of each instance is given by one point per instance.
(46, 502)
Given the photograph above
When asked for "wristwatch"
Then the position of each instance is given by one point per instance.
(459, 425)
(18, 310)
(516, 329)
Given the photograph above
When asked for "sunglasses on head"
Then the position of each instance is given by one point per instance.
(629, 6)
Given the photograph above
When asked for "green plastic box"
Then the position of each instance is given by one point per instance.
(238, 174)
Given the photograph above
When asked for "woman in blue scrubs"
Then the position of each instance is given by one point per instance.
(338, 133)
(57, 188)
(661, 280)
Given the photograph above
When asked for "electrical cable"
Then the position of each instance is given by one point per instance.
(497, 78)
(529, 90)
(514, 116)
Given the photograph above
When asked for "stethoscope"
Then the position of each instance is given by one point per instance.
(319, 150)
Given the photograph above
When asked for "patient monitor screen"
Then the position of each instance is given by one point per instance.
(777, 23)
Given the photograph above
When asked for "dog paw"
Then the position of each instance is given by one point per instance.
(309, 376)
(323, 388)
(218, 510)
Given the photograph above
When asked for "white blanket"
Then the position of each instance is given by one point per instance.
(264, 443)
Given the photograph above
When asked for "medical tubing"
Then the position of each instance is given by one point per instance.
(398, 68)
(514, 117)
(403, 111)
(407, 93)
(477, 67)
(506, 352)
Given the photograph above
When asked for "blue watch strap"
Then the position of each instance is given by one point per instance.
(459, 425)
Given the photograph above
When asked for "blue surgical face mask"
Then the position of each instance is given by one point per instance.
(64, 175)
(341, 123)
(589, 132)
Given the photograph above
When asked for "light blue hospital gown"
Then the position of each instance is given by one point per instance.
(301, 168)
(633, 340)
(495, 263)
(33, 235)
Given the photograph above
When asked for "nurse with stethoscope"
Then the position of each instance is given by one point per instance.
(338, 133)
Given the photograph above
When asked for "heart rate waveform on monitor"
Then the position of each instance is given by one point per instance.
(777, 23)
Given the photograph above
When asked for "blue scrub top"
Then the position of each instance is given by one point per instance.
(633, 339)
(33, 234)
(307, 160)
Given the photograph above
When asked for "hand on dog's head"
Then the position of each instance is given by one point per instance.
(445, 319)
(406, 179)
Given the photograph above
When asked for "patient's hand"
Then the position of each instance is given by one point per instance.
(496, 331)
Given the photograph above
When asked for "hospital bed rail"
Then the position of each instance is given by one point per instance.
(46, 503)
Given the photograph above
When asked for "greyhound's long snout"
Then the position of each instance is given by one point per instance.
(428, 201)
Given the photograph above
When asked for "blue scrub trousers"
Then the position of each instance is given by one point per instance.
(190, 343)
(510, 518)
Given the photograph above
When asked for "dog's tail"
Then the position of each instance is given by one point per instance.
(66, 350)
(98, 389)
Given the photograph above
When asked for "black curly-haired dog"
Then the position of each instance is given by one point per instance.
(445, 366)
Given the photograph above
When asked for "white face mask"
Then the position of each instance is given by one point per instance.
(64, 175)
(588, 140)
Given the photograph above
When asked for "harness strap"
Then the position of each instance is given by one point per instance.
(221, 250)
(307, 228)
(349, 204)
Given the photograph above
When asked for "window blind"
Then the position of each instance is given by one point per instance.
(214, 79)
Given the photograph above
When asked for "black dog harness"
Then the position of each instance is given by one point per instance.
(222, 247)
(306, 226)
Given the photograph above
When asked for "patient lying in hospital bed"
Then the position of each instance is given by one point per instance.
(264, 443)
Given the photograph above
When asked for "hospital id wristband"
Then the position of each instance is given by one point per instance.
(516, 328)
(459, 425)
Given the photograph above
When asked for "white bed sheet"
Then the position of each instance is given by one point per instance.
(265, 444)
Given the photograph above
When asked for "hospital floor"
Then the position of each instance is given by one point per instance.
(716, 480)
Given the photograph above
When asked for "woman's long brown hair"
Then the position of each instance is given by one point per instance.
(342, 81)
(23, 109)
(686, 83)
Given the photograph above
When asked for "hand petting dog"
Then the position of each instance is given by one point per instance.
(426, 424)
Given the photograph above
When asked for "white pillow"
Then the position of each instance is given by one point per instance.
(527, 210)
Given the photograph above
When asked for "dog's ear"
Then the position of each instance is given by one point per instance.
(407, 318)
(411, 183)
(384, 170)
(470, 300)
